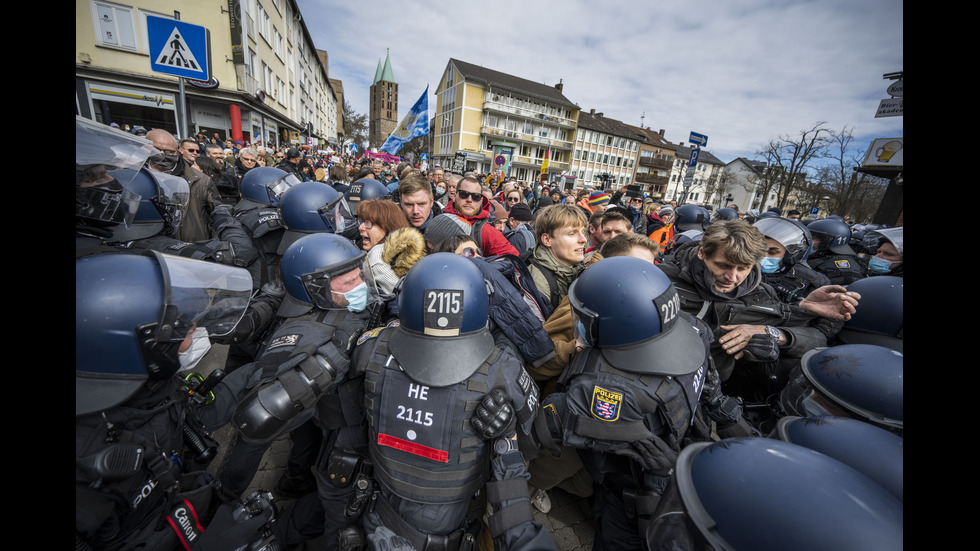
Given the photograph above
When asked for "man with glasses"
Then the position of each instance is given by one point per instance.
(189, 150)
(195, 225)
(472, 206)
(635, 207)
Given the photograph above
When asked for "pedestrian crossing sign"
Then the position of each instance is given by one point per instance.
(178, 48)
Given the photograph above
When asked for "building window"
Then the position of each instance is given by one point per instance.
(114, 25)
(277, 38)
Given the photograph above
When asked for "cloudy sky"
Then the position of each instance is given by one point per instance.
(742, 72)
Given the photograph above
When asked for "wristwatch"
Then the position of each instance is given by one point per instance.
(504, 445)
(773, 332)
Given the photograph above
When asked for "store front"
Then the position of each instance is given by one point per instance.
(125, 105)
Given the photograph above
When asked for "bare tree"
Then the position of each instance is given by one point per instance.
(355, 128)
(851, 193)
(788, 159)
(414, 148)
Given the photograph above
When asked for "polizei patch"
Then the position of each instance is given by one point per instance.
(606, 404)
(843, 264)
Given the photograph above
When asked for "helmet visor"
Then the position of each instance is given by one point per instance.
(171, 201)
(339, 286)
(584, 320)
(337, 215)
(107, 202)
(874, 238)
(278, 187)
(201, 294)
(788, 234)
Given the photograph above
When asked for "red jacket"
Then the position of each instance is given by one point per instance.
(492, 241)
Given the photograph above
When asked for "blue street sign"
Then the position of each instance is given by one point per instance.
(815, 210)
(178, 48)
(694, 157)
(698, 139)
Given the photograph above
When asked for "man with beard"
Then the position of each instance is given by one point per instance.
(472, 206)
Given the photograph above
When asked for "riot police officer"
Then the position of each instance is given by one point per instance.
(863, 381)
(784, 267)
(141, 420)
(254, 229)
(101, 201)
(314, 207)
(629, 399)
(329, 303)
(832, 256)
(422, 380)
(767, 495)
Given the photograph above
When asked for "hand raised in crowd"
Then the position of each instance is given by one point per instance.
(831, 301)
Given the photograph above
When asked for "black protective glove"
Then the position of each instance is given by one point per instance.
(654, 454)
(762, 348)
(727, 414)
(495, 417)
(224, 533)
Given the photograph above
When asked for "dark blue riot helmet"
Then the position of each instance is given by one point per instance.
(133, 312)
(691, 217)
(764, 494)
(629, 309)
(313, 207)
(162, 201)
(828, 232)
(265, 185)
(767, 214)
(871, 450)
(724, 214)
(312, 263)
(791, 234)
(444, 307)
(880, 319)
(862, 381)
(364, 189)
(681, 238)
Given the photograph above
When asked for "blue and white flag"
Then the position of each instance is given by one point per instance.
(415, 123)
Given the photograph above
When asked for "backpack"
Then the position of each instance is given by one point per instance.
(515, 270)
(552, 284)
(523, 239)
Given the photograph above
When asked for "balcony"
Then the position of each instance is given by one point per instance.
(501, 107)
(655, 162)
(536, 163)
(527, 138)
(651, 179)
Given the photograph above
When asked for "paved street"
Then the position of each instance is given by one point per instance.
(569, 521)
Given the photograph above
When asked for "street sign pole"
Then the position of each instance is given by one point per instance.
(697, 141)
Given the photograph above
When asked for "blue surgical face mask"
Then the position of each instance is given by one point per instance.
(770, 265)
(357, 298)
(879, 266)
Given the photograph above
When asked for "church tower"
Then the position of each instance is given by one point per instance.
(384, 104)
